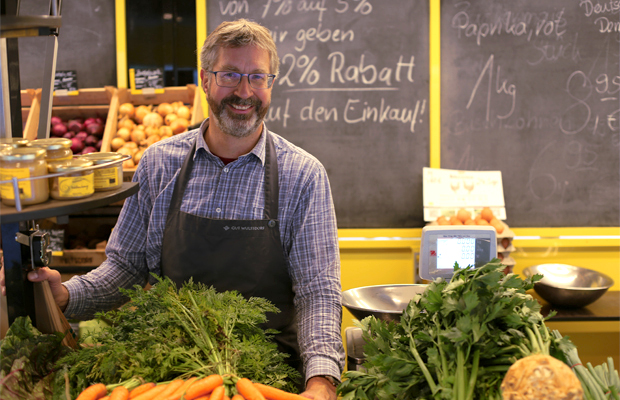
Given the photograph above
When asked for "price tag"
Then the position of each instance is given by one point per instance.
(65, 83)
(449, 190)
(147, 78)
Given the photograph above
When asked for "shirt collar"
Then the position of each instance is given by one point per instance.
(258, 150)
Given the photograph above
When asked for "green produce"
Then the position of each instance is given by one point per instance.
(164, 334)
(455, 341)
(27, 361)
(598, 383)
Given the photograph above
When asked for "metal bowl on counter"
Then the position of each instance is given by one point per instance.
(567, 285)
(385, 302)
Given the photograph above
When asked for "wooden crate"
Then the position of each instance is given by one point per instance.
(102, 102)
(28, 96)
(189, 95)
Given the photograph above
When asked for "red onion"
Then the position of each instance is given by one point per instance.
(81, 135)
(89, 149)
(69, 135)
(55, 120)
(89, 121)
(99, 144)
(58, 130)
(75, 125)
(95, 129)
(77, 145)
(91, 140)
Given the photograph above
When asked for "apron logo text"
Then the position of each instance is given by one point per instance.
(245, 228)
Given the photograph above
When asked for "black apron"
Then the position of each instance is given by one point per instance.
(241, 255)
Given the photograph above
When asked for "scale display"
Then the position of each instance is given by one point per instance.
(442, 246)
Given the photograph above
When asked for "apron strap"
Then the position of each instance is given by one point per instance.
(272, 189)
(181, 183)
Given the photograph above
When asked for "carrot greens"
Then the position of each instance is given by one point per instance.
(163, 334)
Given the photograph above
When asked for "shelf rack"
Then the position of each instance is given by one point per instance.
(21, 252)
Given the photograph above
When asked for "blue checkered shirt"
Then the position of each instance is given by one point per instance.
(235, 191)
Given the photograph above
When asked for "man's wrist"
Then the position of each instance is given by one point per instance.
(333, 381)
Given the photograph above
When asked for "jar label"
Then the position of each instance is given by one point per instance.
(76, 186)
(106, 177)
(6, 189)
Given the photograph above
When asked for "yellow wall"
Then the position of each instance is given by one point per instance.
(386, 256)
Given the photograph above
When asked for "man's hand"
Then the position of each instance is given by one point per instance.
(60, 293)
(319, 388)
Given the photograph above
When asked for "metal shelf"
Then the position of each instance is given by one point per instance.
(53, 208)
(13, 26)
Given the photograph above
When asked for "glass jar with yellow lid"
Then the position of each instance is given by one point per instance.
(23, 163)
(77, 181)
(109, 177)
(58, 149)
(14, 142)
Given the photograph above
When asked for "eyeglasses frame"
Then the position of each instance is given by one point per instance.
(272, 76)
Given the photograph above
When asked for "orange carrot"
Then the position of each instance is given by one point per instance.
(226, 397)
(272, 393)
(93, 392)
(119, 393)
(203, 386)
(152, 393)
(203, 397)
(141, 389)
(105, 398)
(246, 388)
(218, 393)
(171, 388)
(176, 395)
(237, 397)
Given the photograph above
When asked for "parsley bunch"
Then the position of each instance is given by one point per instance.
(454, 341)
(164, 333)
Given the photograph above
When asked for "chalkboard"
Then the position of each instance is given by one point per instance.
(531, 88)
(86, 44)
(352, 91)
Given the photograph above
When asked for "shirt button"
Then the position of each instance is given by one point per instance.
(225, 169)
(218, 210)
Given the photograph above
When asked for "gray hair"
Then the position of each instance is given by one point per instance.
(239, 33)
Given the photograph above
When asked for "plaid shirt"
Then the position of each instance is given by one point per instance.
(234, 191)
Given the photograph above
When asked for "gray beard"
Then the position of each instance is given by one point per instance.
(239, 126)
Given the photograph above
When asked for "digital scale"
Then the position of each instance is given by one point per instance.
(442, 246)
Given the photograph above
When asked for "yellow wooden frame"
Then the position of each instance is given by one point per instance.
(580, 234)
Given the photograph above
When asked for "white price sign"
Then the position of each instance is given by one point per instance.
(447, 190)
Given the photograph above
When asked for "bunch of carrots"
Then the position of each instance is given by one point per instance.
(212, 387)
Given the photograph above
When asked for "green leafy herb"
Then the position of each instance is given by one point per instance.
(454, 341)
(164, 333)
(27, 361)
(599, 383)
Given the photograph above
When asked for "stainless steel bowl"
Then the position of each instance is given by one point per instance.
(569, 286)
(385, 302)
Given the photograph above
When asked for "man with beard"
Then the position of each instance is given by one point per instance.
(234, 206)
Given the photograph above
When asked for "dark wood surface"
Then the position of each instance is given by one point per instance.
(607, 308)
(53, 208)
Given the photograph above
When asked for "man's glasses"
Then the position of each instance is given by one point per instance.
(231, 79)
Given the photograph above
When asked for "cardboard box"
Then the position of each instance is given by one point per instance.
(97, 102)
(78, 257)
